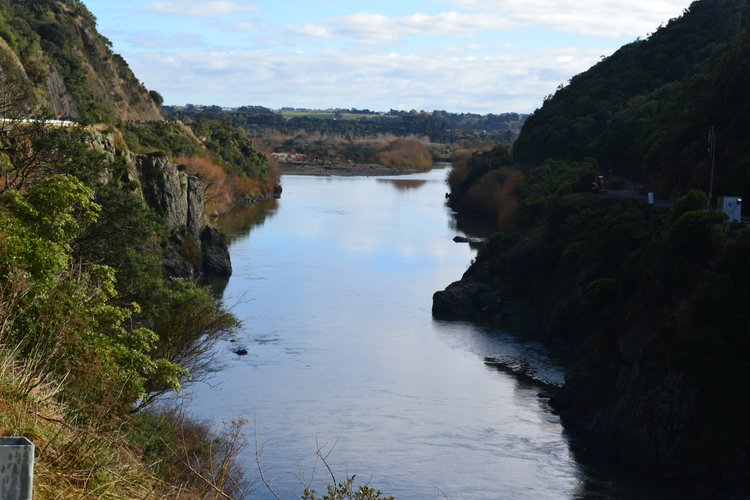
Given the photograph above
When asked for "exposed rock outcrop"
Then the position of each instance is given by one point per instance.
(467, 299)
(164, 188)
(195, 248)
(215, 253)
(58, 98)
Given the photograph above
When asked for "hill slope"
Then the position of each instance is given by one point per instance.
(92, 329)
(645, 112)
(53, 49)
(651, 304)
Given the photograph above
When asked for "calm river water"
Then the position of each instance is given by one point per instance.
(334, 285)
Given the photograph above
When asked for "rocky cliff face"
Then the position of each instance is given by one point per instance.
(654, 399)
(195, 248)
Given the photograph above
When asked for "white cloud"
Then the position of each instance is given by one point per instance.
(582, 17)
(157, 40)
(197, 8)
(362, 59)
(342, 78)
(578, 17)
(313, 30)
(372, 27)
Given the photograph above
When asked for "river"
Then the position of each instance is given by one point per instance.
(334, 286)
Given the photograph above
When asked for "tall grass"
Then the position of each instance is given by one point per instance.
(155, 455)
(87, 445)
(72, 461)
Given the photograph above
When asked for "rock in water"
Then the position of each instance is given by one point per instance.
(216, 260)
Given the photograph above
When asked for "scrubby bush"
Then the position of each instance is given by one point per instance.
(406, 154)
(219, 193)
(62, 309)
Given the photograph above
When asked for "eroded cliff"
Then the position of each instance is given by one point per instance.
(194, 247)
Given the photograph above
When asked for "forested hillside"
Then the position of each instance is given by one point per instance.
(646, 111)
(649, 302)
(52, 48)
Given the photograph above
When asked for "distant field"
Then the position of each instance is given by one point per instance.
(324, 115)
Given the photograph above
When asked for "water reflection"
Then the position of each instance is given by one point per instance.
(238, 222)
(404, 184)
(335, 297)
(472, 226)
(217, 284)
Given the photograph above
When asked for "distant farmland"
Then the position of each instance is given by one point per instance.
(328, 115)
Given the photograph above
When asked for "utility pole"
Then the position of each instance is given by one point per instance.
(712, 155)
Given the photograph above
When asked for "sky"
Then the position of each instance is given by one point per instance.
(480, 56)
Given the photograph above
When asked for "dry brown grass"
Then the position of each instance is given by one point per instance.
(223, 190)
(95, 453)
(72, 461)
(77, 460)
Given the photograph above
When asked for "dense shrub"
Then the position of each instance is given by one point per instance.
(406, 154)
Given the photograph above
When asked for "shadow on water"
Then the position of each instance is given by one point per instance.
(396, 386)
(239, 221)
(472, 226)
(535, 370)
(217, 284)
(236, 224)
(404, 184)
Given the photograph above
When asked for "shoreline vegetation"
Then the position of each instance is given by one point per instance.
(94, 324)
(399, 156)
(104, 230)
(648, 300)
(102, 238)
(343, 169)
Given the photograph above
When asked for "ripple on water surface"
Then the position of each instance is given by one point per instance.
(334, 290)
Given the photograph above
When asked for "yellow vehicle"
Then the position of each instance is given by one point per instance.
(598, 184)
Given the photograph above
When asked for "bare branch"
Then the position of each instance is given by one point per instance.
(323, 458)
(258, 453)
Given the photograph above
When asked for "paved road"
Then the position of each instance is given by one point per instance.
(58, 123)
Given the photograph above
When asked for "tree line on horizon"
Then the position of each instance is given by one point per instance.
(439, 126)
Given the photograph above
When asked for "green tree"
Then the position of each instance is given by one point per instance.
(63, 310)
(156, 97)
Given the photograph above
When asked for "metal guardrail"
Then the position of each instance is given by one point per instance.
(59, 123)
(16, 468)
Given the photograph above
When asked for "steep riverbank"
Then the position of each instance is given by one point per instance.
(194, 248)
(653, 306)
(649, 308)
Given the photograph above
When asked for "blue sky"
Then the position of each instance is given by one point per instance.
(486, 56)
